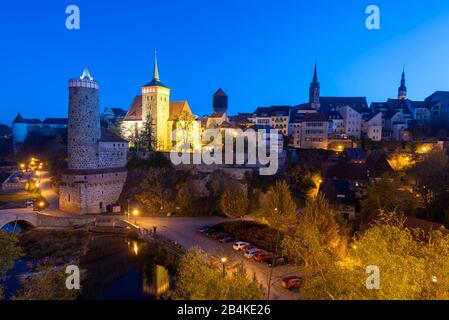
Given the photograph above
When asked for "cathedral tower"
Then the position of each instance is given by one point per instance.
(84, 123)
(156, 109)
(314, 91)
(402, 91)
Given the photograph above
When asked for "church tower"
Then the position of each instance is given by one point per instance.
(156, 109)
(314, 91)
(402, 91)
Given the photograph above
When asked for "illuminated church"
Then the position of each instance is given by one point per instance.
(153, 108)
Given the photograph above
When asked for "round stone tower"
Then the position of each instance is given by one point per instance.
(84, 130)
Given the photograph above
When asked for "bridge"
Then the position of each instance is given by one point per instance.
(38, 220)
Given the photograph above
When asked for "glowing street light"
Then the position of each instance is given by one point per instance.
(434, 279)
(223, 261)
(135, 214)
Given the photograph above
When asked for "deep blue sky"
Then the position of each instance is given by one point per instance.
(261, 52)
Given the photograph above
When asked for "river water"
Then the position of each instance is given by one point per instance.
(116, 268)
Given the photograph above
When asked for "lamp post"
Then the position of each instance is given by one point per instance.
(223, 261)
(274, 256)
(128, 209)
(135, 214)
(40, 205)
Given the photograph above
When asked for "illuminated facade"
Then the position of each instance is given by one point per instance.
(170, 122)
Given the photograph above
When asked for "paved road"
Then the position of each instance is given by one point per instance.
(182, 230)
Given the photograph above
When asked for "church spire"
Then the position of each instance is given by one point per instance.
(314, 90)
(156, 69)
(315, 75)
(402, 91)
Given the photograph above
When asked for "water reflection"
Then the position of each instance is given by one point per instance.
(124, 269)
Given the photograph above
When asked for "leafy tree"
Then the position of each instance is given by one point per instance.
(317, 239)
(197, 280)
(155, 191)
(432, 182)
(48, 284)
(279, 208)
(412, 265)
(234, 201)
(9, 252)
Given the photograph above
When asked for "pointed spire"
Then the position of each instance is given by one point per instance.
(315, 74)
(86, 74)
(156, 69)
(402, 91)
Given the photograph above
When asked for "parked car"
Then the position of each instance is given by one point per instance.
(262, 256)
(218, 235)
(227, 238)
(248, 247)
(239, 245)
(292, 282)
(250, 253)
(203, 230)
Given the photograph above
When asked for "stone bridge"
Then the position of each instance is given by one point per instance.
(37, 220)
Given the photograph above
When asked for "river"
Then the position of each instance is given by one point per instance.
(115, 268)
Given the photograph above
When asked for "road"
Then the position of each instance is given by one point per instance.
(183, 231)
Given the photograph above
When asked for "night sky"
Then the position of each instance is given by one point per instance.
(260, 52)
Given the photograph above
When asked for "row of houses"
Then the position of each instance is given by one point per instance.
(324, 119)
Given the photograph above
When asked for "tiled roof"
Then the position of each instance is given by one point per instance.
(329, 103)
(337, 192)
(180, 109)
(55, 121)
(274, 111)
(314, 117)
(220, 93)
(20, 119)
(135, 110)
(109, 136)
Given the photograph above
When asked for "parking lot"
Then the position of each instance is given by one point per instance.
(184, 231)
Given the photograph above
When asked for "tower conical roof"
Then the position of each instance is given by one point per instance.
(220, 92)
(86, 75)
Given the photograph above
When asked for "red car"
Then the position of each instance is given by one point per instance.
(293, 282)
(263, 256)
(218, 235)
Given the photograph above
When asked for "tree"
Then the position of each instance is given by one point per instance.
(279, 208)
(155, 194)
(198, 280)
(381, 195)
(317, 239)
(9, 252)
(48, 284)
(432, 182)
(234, 201)
(413, 265)
(145, 136)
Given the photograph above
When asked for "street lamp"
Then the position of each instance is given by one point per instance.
(223, 261)
(40, 205)
(135, 214)
(274, 256)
